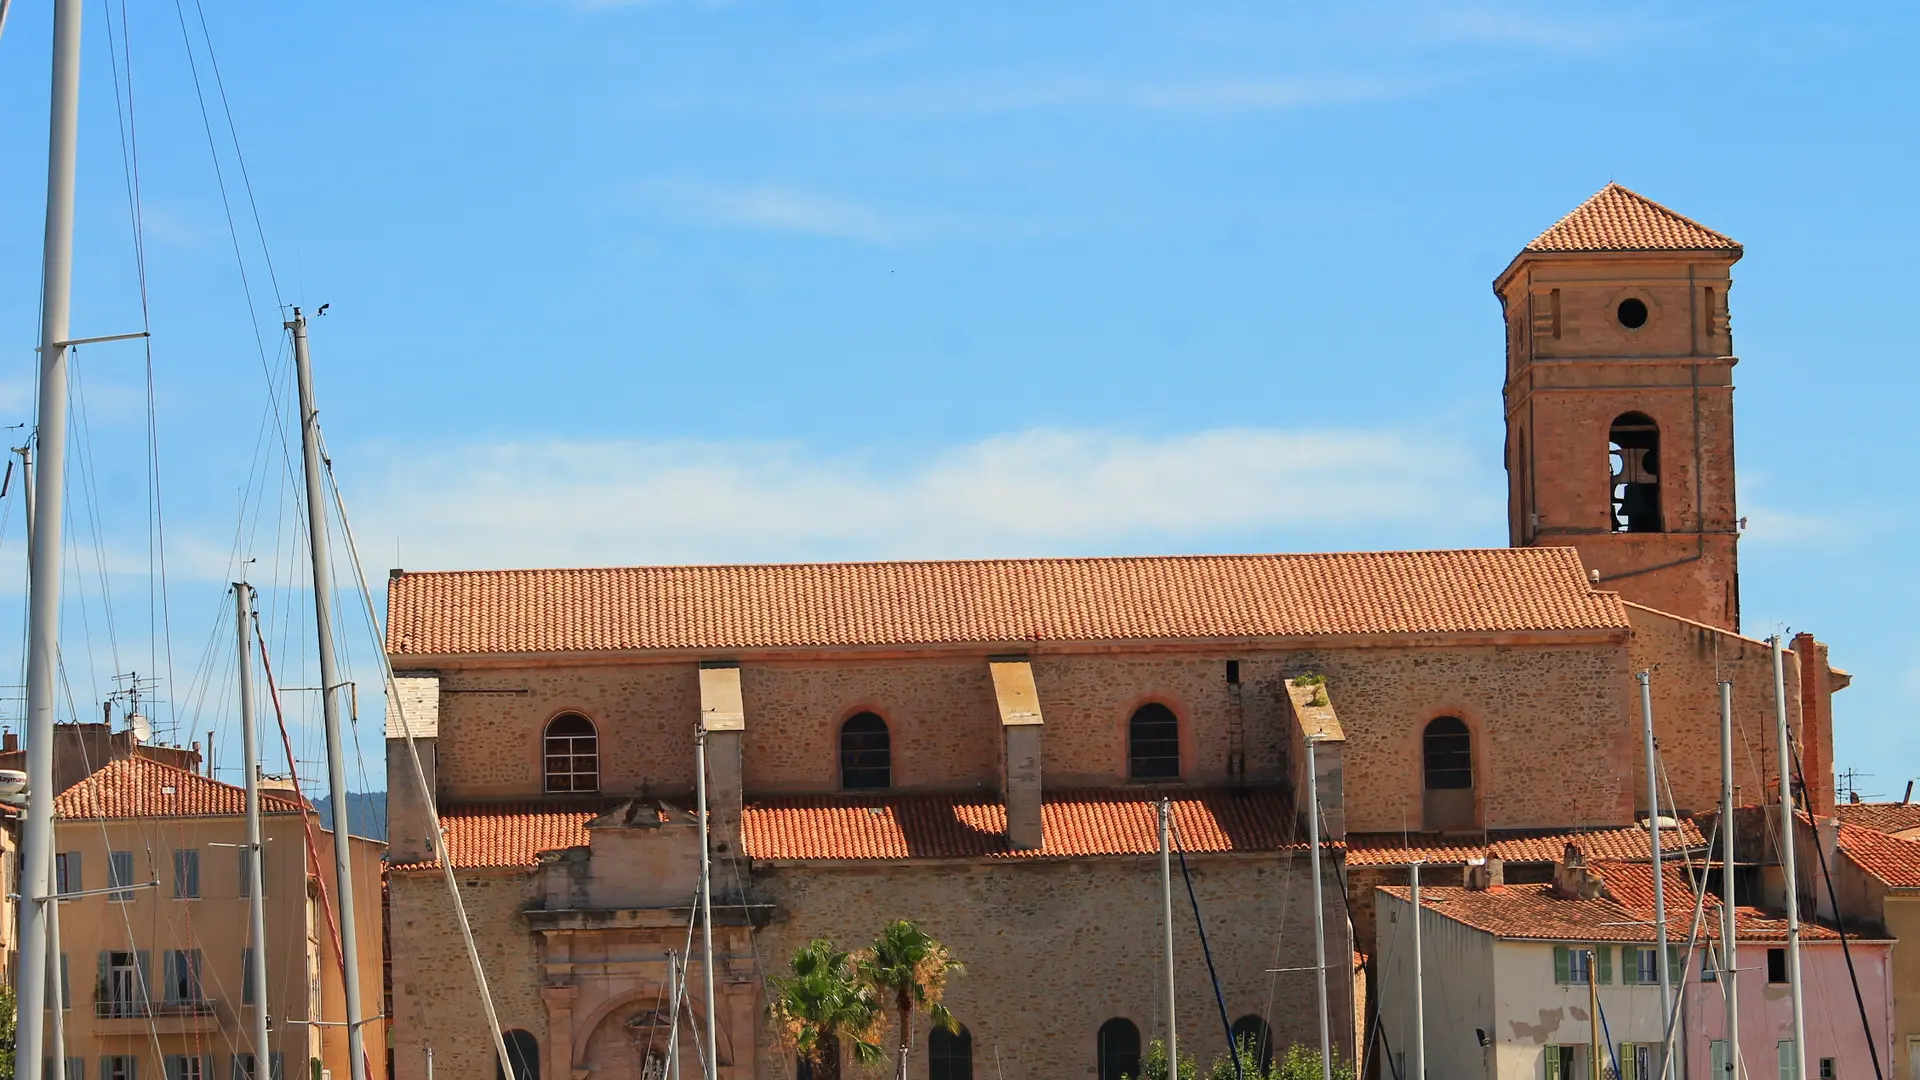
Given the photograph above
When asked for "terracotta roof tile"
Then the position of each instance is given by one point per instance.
(1894, 861)
(1072, 823)
(1533, 912)
(480, 835)
(1616, 219)
(139, 787)
(1886, 817)
(1007, 600)
(1624, 843)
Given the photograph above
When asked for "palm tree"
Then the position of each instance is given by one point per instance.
(822, 1005)
(911, 969)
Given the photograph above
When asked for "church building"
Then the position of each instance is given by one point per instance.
(984, 747)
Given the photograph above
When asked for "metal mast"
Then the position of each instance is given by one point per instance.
(1787, 860)
(1319, 909)
(1419, 982)
(712, 1063)
(256, 973)
(57, 1006)
(1729, 928)
(330, 682)
(1659, 873)
(1166, 915)
(43, 604)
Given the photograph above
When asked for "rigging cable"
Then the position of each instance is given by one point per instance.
(1839, 920)
(1199, 924)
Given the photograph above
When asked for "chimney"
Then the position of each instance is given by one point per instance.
(11, 743)
(1486, 874)
(723, 715)
(1573, 879)
(409, 830)
(1022, 729)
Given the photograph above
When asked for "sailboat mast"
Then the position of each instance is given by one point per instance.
(330, 683)
(43, 604)
(1787, 860)
(1319, 909)
(1419, 979)
(1166, 915)
(1659, 872)
(1729, 921)
(56, 989)
(712, 1063)
(256, 973)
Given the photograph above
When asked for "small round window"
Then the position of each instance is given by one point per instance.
(1632, 313)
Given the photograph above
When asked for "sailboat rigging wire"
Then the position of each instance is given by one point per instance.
(1606, 1033)
(1839, 924)
(441, 855)
(1200, 924)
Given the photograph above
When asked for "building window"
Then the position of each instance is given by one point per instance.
(1633, 453)
(1447, 773)
(950, 1054)
(1566, 1061)
(244, 1067)
(1721, 1062)
(523, 1053)
(76, 1069)
(1632, 313)
(1637, 1061)
(120, 1067)
(122, 989)
(573, 754)
(120, 876)
(1573, 965)
(66, 986)
(1776, 965)
(866, 753)
(187, 1067)
(1787, 1060)
(182, 974)
(186, 874)
(66, 872)
(1826, 1069)
(1253, 1041)
(1153, 743)
(1119, 1049)
(1639, 966)
(246, 873)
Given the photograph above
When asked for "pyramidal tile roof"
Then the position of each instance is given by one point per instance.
(1887, 817)
(993, 601)
(1894, 861)
(1617, 219)
(138, 787)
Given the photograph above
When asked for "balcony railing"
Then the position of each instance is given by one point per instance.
(136, 1010)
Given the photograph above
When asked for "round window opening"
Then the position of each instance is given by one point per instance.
(1632, 313)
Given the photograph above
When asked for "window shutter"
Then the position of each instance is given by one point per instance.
(1562, 971)
(66, 985)
(1603, 960)
(1626, 1061)
(103, 985)
(1784, 1050)
(1677, 962)
(143, 961)
(246, 977)
(198, 984)
(1553, 1052)
(74, 877)
(1720, 1064)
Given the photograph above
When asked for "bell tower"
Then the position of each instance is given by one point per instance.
(1619, 402)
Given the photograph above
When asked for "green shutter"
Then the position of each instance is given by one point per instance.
(1626, 1061)
(1603, 965)
(1677, 963)
(1629, 965)
(1553, 1052)
(1562, 970)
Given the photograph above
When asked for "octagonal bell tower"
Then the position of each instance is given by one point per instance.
(1619, 402)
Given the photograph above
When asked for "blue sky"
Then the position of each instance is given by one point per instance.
(618, 283)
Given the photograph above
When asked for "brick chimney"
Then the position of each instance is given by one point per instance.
(1486, 875)
(1573, 879)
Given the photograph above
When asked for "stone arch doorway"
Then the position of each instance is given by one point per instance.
(630, 1041)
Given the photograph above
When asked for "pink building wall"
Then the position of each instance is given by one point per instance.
(1766, 1012)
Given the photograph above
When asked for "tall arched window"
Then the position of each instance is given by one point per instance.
(1252, 1037)
(1119, 1050)
(1633, 454)
(1447, 773)
(1153, 743)
(523, 1052)
(573, 754)
(950, 1054)
(866, 753)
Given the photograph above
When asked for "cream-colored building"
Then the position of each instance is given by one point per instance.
(153, 945)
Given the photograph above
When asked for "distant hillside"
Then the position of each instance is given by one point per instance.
(366, 813)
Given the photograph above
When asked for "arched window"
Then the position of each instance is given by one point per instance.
(866, 753)
(573, 754)
(1153, 743)
(1447, 773)
(1253, 1038)
(523, 1053)
(950, 1054)
(1119, 1054)
(1633, 453)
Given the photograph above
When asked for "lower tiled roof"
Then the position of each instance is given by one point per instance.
(1886, 817)
(480, 835)
(1894, 861)
(1073, 823)
(1627, 842)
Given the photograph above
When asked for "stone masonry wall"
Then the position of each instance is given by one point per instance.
(1055, 949)
(434, 1001)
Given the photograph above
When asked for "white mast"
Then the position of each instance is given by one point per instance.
(57, 1007)
(1787, 860)
(1729, 970)
(1419, 984)
(43, 602)
(712, 1063)
(330, 682)
(1166, 914)
(1659, 873)
(673, 1029)
(256, 973)
(1319, 909)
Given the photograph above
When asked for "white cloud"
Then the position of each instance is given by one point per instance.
(779, 209)
(557, 503)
